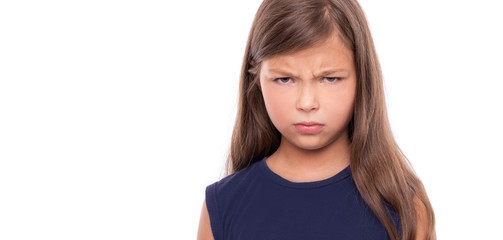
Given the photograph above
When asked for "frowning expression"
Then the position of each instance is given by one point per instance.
(309, 94)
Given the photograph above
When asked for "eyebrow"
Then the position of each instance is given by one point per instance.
(323, 73)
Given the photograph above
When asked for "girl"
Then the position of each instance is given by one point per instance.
(312, 154)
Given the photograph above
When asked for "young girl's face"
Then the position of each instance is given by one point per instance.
(309, 94)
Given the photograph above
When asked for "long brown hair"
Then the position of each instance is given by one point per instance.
(380, 170)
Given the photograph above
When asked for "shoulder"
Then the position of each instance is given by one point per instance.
(225, 193)
(233, 182)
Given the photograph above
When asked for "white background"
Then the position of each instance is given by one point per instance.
(115, 115)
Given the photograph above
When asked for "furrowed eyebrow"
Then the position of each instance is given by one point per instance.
(322, 74)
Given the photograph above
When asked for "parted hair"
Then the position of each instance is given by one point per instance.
(381, 172)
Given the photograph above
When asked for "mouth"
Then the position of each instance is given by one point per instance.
(308, 127)
(308, 123)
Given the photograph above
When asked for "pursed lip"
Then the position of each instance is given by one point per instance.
(308, 123)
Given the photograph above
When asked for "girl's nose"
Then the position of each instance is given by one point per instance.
(307, 100)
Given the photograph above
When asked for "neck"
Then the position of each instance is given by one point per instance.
(297, 164)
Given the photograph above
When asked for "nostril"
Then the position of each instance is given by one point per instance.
(307, 106)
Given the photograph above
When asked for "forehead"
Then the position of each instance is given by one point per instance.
(329, 53)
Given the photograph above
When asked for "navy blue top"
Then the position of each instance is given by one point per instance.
(256, 203)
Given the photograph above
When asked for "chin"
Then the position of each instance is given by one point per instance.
(310, 145)
(310, 148)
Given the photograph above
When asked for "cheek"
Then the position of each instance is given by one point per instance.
(278, 108)
(340, 113)
(341, 107)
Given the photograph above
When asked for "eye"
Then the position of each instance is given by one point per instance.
(332, 79)
(282, 80)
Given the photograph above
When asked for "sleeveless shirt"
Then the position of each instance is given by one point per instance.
(257, 204)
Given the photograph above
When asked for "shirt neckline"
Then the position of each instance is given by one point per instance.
(264, 168)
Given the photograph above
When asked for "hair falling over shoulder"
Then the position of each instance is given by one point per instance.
(380, 170)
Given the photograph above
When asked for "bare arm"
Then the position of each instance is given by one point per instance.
(204, 232)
